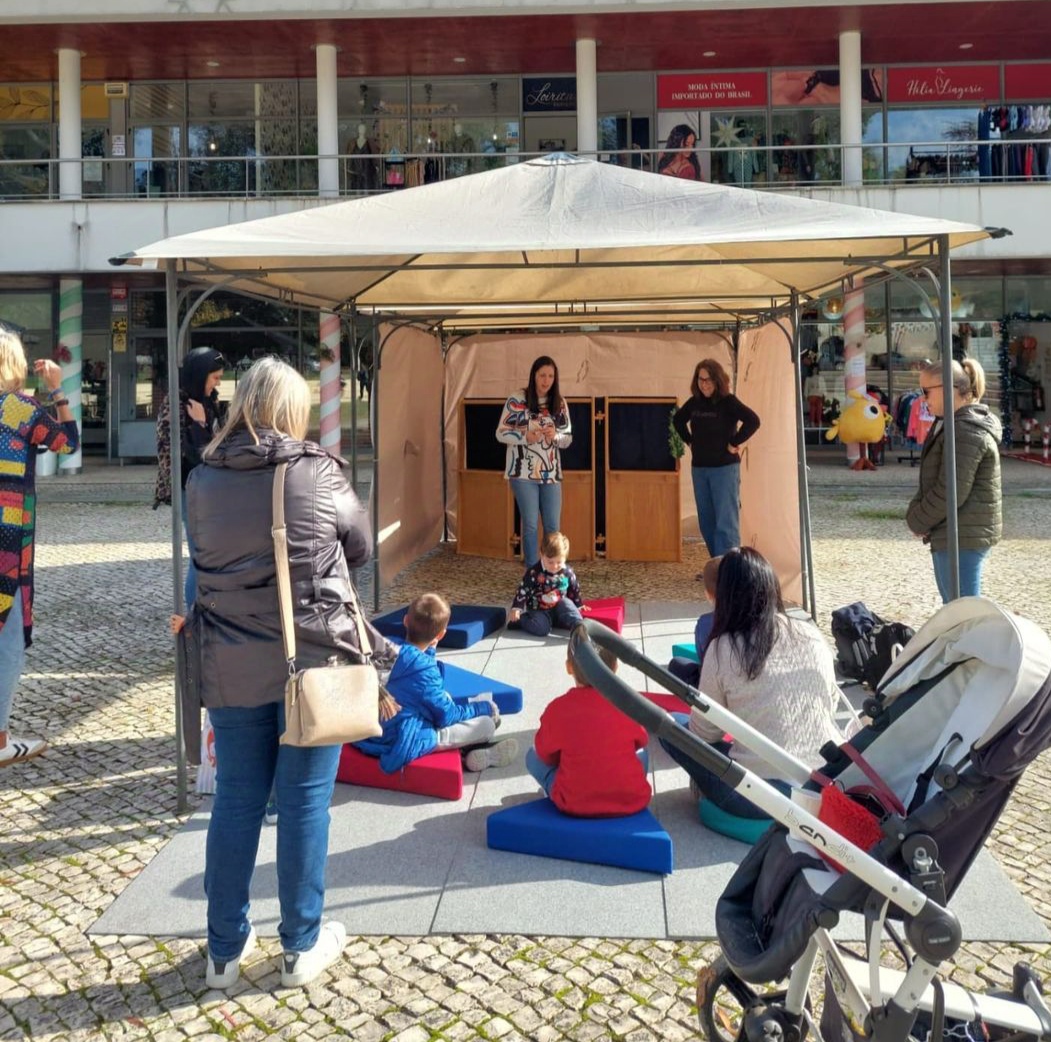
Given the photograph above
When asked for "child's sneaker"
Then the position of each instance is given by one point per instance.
(222, 975)
(270, 814)
(499, 754)
(299, 968)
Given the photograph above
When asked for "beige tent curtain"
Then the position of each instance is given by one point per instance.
(409, 448)
(769, 476)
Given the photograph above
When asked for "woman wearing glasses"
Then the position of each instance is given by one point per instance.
(201, 416)
(979, 507)
(715, 424)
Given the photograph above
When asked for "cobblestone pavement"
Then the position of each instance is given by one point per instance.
(82, 821)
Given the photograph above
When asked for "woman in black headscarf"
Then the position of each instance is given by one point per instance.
(201, 414)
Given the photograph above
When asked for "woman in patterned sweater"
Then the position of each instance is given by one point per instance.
(25, 427)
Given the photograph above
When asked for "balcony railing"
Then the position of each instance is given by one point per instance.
(778, 166)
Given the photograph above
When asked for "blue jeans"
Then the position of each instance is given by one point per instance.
(565, 615)
(536, 499)
(12, 658)
(545, 774)
(249, 761)
(711, 785)
(971, 564)
(190, 587)
(717, 493)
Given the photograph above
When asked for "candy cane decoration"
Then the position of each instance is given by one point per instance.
(71, 337)
(331, 430)
(1027, 427)
(854, 353)
(1047, 438)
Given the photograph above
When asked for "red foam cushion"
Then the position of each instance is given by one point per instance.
(668, 702)
(607, 610)
(436, 774)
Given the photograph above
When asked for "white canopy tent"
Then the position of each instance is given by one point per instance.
(559, 242)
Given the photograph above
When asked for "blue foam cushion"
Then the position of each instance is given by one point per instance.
(747, 830)
(462, 683)
(539, 827)
(685, 651)
(468, 624)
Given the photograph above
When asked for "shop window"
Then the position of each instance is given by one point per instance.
(798, 138)
(936, 144)
(156, 150)
(156, 102)
(261, 165)
(30, 149)
(242, 99)
(1029, 296)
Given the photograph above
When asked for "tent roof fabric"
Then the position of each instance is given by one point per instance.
(559, 233)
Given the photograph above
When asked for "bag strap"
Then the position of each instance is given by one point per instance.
(879, 787)
(284, 573)
(284, 581)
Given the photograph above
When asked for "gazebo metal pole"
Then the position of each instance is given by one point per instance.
(806, 557)
(172, 321)
(374, 427)
(951, 493)
(355, 390)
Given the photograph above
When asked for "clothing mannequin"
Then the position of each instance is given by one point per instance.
(362, 174)
(461, 142)
(432, 167)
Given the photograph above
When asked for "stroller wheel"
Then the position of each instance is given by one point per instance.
(729, 1010)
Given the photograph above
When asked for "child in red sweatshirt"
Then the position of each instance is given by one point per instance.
(589, 757)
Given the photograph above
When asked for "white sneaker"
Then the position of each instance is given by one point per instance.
(299, 968)
(499, 754)
(18, 750)
(222, 975)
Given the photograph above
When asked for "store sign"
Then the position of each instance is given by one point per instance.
(1030, 82)
(118, 291)
(711, 90)
(959, 83)
(549, 94)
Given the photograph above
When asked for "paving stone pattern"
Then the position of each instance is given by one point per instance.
(82, 821)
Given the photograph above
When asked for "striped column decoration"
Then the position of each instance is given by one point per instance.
(331, 430)
(71, 337)
(853, 355)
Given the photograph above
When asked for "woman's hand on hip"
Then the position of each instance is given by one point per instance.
(734, 450)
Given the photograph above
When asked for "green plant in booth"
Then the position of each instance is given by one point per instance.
(676, 446)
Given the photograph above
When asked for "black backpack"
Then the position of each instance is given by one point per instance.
(852, 628)
(886, 641)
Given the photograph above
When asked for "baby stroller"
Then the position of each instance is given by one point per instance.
(962, 711)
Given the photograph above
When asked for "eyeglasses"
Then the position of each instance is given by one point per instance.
(705, 380)
(926, 391)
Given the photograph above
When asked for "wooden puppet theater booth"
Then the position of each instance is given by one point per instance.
(563, 243)
(624, 495)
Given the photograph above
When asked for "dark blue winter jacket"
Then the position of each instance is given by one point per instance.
(417, 685)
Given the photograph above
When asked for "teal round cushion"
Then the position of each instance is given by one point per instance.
(747, 830)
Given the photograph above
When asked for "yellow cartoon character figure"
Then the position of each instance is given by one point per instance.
(862, 421)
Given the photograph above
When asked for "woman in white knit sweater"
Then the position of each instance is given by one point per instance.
(773, 672)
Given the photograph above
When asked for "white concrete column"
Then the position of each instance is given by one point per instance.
(327, 121)
(70, 146)
(71, 346)
(587, 98)
(850, 105)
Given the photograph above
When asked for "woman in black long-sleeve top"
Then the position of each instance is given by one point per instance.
(715, 424)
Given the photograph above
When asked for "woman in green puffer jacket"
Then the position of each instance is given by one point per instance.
(979, 499)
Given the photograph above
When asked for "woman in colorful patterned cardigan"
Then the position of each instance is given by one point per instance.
(25, 427)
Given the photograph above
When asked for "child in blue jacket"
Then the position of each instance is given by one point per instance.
(428, 717)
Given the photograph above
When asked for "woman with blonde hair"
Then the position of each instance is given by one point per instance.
(979, 499)
(25, 427)
(237, 660)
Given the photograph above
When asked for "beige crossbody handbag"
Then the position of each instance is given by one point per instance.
(325, 705)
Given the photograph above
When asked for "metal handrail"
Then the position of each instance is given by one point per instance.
(769, 167)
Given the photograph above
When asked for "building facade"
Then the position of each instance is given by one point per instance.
(124, 121)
